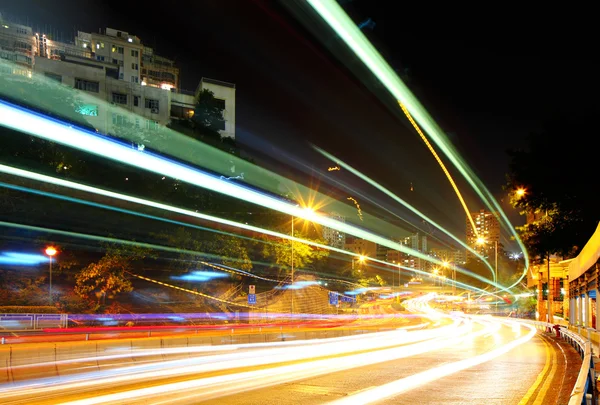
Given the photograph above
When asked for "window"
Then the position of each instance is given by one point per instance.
(21, 30)
(118, 119)
(87, 85)
(53, 76)
(220, 104)
(135, 53)
(151, 124)
(136, 101)
(135, 79)
(121, 76)
(100, 58)
(119, 98)
(102, 45)
(134, 66)
(120, 50)
(151, 103)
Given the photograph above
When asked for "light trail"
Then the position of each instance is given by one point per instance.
(95, 190)
(399, 200)
(237, 304)
(214, 387)
(416, 380)
(443, 166)
(272, 355)
(53, 130)
(333, 14)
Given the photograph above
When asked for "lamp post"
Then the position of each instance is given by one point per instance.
(50, 251)
(309, 212)
(482, 241)
(360, 259)
(452, 266)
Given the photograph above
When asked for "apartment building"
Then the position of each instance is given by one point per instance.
(113, 66)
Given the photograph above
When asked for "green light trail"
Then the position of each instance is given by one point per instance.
(118, 196)
(399, 200)
(340, 22)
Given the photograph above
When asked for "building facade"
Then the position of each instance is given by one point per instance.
(361, 246)
(116, 67)
(334, 237)
(487, 228)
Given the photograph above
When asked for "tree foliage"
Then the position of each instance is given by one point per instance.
(108, 276)
(558, 170)
(208, 114)
(280, 252)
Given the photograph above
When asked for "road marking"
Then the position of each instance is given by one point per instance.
(548, 381)
(540, 376)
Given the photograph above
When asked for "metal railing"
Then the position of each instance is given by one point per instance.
(584, 391)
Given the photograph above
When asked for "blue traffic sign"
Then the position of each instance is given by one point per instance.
(333, 298)
(251, 298)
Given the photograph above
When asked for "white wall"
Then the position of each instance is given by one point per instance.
(228, 94)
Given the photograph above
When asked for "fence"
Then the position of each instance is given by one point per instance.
(584, 391)
(10, 322)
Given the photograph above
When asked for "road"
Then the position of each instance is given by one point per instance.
(449, 360)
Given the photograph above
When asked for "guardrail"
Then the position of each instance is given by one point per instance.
(584, 391)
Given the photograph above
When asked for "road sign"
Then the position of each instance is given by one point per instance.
(251, 289)
(252, 298)
(333, 298)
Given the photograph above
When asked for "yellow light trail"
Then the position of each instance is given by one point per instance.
(189, 291)
(446, 172)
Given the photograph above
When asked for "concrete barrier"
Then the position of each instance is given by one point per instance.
(19, 362)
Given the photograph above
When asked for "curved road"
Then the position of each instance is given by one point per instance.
(454, 360)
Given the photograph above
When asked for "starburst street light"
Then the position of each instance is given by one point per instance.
(520, 192)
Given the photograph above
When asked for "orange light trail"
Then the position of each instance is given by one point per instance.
(446, 172)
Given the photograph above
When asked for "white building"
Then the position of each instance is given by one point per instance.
(334, 237)
(114, 66)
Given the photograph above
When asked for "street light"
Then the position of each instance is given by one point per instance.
(482, 241)
(308, 213)
(361, 259)
(50, 251)
(520, 192)
(447, 264)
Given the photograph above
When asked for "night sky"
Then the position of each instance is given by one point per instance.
(489, 77)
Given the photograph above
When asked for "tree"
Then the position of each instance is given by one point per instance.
(280, 252)
(208, 114)
(231, 250)
(555, 172)
(108, 277)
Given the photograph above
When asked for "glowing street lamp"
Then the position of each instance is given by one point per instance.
(50, 251)
(482, 241)
(360, 259)
(308, 213)
(520, 192)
